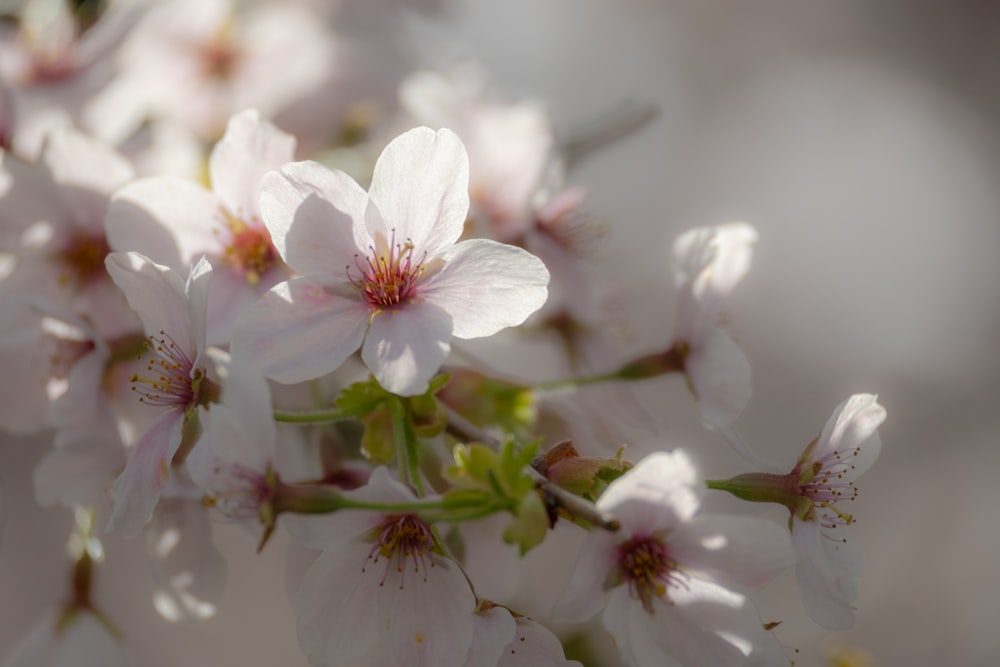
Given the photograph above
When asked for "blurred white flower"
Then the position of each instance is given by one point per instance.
(668, 580)
(708, 262)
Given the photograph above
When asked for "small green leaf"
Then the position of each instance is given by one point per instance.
(361, 398)
(528, 528)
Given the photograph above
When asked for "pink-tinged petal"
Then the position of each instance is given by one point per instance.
(299, 331)
(138, 488)
(853, 426)
(199, 282)
(311, 212)
(404, 348)
(170, 220)
(586, 592)
(421, 188)
(156, 294)
(86, 636)
(189, 572)
(250, 148)
(738, 551)
(720, 376)
(427, 615)
(826, 571)
(337, 607)
(84, 409)
(492, 631)
(661, 492)
(534, 646)
(487, 286)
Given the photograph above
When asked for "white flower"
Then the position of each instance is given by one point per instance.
(182, 376)
(829, 563)
(668, 580)
(175, 221)
(80, 640)
(381, 593)
(383, 268)
(708, 262)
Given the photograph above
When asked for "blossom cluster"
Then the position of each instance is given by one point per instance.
(230, 298)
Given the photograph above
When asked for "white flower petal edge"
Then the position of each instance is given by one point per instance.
(488, 286)
(421, 188)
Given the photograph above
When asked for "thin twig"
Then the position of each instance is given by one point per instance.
(616, 124)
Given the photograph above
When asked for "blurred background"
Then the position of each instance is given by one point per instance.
(860, 137)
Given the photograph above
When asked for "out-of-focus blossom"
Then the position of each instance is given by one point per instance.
(383, 268)
(708, 262)
(174, 221)
(56, 72)
(669, 581)
(197, 62)
(511, 144)
(381, 593)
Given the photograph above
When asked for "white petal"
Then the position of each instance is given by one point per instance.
(426, 616)
(137, 489)
(199, 282)
(493, 630)
(250, 148)
(853, 425)
(720, 375)
(705, 624)
(189, 572)
(585, 593)
(156, 294)
(406, 347)
(421, 187)
(487, 286)
(534, 646)
(661, 492)
(299, 331)
(87, 642)
(336, 609)
(170, 220)
(740, 551)
(311, 212)
(629, 626)
(826, 582)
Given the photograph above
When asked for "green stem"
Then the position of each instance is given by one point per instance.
(319, 499)
(407, 445)
(573, 383)
(315, 417)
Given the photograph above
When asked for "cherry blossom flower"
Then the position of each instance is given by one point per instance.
(182, 375)
(381, 593)
(829, 561)
(669, 580)
(382, 270)
(197, 62)
(512, 145)
(53, 214)
(708, 262)
(174, 221)
(503, 638)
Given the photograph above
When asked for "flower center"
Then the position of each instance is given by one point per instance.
(242, 490)
(403, 542)
(250, 250)
(645, 564)
(389, 276)
(83, 258)
(826, 481)
(173, 381)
